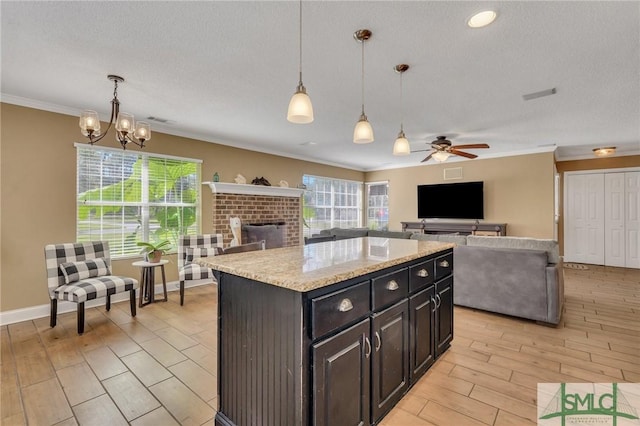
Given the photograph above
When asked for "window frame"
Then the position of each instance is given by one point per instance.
(367, 194)
(144, 205)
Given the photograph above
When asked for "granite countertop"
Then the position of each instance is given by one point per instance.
(306, 268)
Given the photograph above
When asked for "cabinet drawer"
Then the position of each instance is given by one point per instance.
(420, 275)
(335, 310)
(390, 288)
(444, 266)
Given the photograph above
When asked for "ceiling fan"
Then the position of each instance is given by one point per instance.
(442, 148)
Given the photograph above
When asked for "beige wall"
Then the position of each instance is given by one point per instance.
(592, 164)
(518, 191)
(37, 192)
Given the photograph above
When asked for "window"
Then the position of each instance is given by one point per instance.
(378, 206)
(330, 203)
(124, 197)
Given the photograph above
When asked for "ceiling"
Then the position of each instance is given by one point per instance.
(224, 72)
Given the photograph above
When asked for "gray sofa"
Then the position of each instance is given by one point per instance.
(515, 276)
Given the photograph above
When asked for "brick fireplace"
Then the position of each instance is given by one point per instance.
(255, 204)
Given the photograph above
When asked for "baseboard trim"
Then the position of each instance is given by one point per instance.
(42, 311)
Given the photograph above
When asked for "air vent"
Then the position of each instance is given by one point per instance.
(539, 94)
(453, 173)
(159, 120)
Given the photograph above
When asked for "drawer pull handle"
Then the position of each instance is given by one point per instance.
(433, 302)
(378, 342)
(368, 353)
(392, 285)
(423, 273)
(444, 264)
(438, 301)
(345, 305)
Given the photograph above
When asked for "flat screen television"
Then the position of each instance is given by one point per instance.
(451, 201)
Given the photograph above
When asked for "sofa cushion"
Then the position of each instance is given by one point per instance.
(460, 240)
(550, 246)
(389, 234)
(349, 233)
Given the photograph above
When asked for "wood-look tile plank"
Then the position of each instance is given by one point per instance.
(587, 375)
(11, 411)
(79, 383)
(104, 363)
(412, 403)
(505, 418)
(33, 368)
(468, 406)
(566, 359)
(400, 417)
(45, 403)
(493, 369)
(441, 415)
(132, 397)
(99, 411)
(176, 339)
(157, 417)
(516, 391)
(163, 352)
(182, 403)
(146, 368)
(505, 402)
(196, 378)
(204, 357)
(64, 354)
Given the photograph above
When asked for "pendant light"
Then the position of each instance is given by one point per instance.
(363, 132)
(300, 108)
(401, 145)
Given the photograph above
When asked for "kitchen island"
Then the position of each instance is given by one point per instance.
(331, 333)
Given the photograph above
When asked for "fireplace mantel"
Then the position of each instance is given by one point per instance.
(236, 188)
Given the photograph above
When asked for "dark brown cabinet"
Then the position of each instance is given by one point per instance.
(341, 372)
(422, 337)
(444, 314)
(342, 354)
(390, 359)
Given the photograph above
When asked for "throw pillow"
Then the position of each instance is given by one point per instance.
(83, 269)
(198, 252)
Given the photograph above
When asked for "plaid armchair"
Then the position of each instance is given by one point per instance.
(193, 246)
(78, 272)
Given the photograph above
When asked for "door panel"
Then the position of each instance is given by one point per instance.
(390, 359)
(632, 219)
(584, 218)
(444, 314)
(614, 220)
(341, 378)
(421, 337)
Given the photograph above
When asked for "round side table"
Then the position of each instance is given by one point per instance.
(147, 281)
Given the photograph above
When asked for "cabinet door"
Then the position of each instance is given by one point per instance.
(444, 314)
(341, 378)
(390, 359)
(421, 332)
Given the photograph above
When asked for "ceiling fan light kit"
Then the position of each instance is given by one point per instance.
(363, 132)
(401, 146)
(300, 109)
(127, 130)
(443, 149)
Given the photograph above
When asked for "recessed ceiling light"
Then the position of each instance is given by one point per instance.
(482, 19)
(604, 152)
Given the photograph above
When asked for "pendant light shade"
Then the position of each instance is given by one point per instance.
(363, 132)
(300, 109)
(401, 145)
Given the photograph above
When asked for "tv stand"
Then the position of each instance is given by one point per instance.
(462, 228)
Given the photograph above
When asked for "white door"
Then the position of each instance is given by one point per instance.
(614, 219)
(584, 218)
(632, 219)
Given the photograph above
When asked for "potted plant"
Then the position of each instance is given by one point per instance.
(154, 252)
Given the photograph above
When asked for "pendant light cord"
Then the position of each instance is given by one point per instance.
(401, 104)
(300, 39)
(363, 76)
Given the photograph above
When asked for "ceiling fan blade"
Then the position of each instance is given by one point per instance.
(461, 153)
(471, 146)
(427, 158)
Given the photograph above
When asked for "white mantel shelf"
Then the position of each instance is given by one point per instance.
(236, 188)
